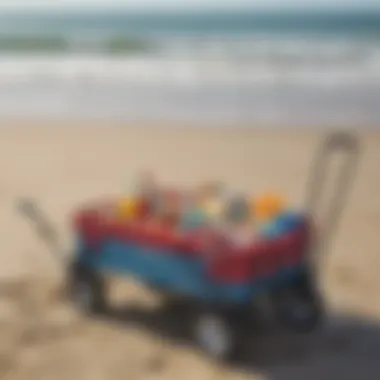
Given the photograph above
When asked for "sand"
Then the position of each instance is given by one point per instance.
(42, 337)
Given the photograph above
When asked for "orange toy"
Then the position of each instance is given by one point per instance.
(268, 206)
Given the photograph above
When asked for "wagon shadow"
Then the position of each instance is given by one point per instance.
(345, 348)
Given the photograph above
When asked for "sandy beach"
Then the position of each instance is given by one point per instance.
(60, 166)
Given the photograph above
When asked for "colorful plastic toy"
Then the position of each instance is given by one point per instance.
(127, 209)
(221, 281)
(194, 219)
(268, 206)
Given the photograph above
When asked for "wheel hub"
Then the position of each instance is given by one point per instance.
(213, 335)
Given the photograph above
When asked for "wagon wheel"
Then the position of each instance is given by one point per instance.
(298, 306)
(336, 142)
(214, 333)
(86, 288)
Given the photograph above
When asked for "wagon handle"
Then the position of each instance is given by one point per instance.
(336, 142)
(44, 228)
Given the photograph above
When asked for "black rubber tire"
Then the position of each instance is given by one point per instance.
(298, 306)
(86, 289)
(223, 323)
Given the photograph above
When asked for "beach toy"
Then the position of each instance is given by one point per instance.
(144, 192)
(213, 208)
(169, 207)
(146, 207)
(127, 209)
(237, 209)
(268, 206)
(193, 218)
(282, 224)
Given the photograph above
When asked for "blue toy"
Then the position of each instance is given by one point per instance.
(282, 224)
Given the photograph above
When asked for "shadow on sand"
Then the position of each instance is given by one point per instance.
(344, 348)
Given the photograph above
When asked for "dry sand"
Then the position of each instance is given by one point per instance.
(41, 337)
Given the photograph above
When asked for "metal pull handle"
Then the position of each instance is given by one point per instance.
(45, 229)
(337, 142)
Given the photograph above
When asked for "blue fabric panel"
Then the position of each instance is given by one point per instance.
(160, 268)
(175, 272)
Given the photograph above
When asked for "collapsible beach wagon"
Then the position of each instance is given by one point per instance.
(220, 283)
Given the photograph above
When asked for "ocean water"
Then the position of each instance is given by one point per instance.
(282, 69)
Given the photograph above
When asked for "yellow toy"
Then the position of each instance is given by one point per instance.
(209, 197)
(213, 208)
(127, 209)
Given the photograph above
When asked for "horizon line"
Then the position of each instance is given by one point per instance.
(188, 8)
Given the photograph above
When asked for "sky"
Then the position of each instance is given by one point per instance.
(194, 4)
